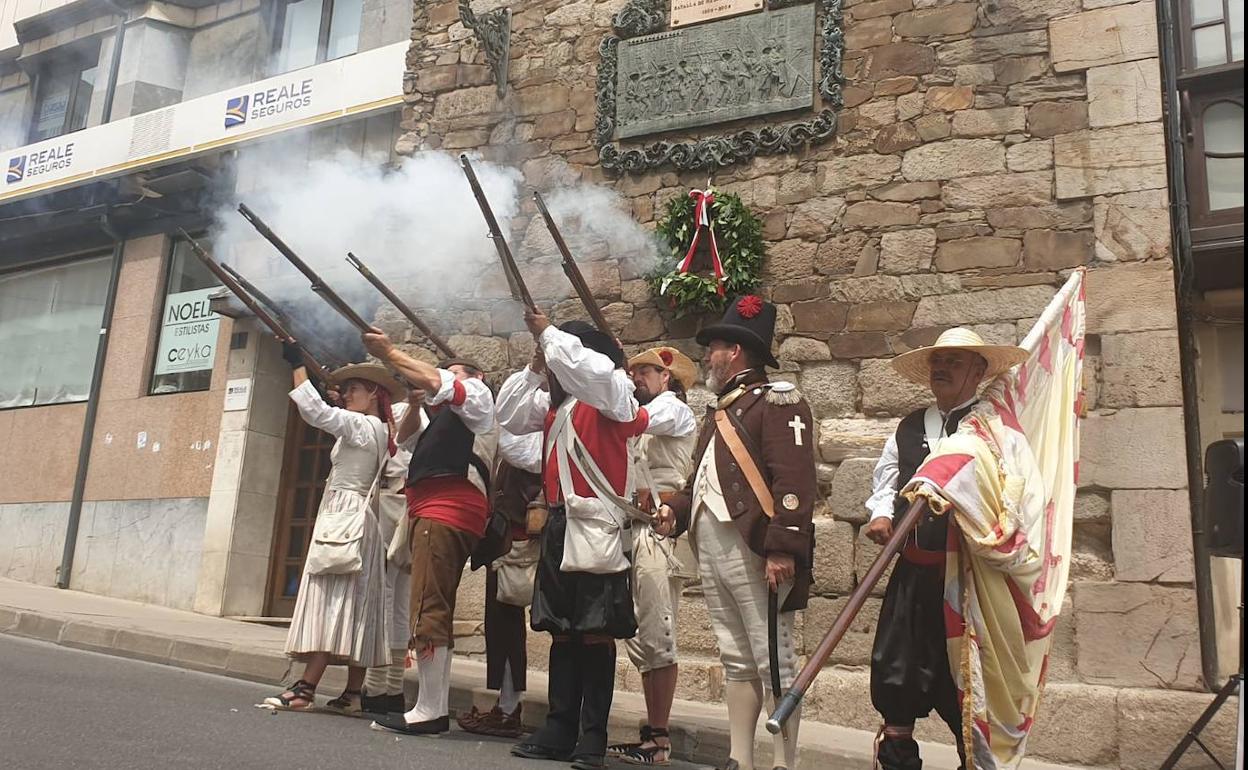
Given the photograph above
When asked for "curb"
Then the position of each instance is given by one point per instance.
(699, 730)
(236, 661)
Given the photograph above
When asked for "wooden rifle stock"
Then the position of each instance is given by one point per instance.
(519, 291)
(226, 276)
(320, 287)
(402, 306)
(793, 698)
(573, 271)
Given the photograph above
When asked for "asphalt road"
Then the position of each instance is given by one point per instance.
(63, 708)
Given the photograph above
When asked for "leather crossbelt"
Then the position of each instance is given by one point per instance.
(728, 432)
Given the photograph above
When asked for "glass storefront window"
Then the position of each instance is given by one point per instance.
(49, 330)
(187, 345)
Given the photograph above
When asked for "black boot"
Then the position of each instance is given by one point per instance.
(899, 754)
(597, 663)
(557, 737)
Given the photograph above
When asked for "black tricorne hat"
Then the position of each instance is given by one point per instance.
(749, 322)
(595, 340)
(449, 362)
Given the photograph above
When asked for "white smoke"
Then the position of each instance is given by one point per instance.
(418, 227)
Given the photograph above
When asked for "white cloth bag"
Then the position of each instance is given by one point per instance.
(593, 539)
(337, 546)
(516, 571)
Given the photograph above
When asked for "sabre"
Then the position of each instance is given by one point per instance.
(319, 286)
(572, 270)
(793, 698)
(402, 306)
(226, 276)
(519, 291)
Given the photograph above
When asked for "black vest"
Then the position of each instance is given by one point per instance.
(444, 449)
(912, 450)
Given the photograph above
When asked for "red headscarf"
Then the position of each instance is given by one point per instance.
(387, 413)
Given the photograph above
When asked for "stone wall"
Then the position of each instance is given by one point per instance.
(985, 150)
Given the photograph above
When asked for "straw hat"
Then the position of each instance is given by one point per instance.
(670, 359)
(915, 366)
(374, 373)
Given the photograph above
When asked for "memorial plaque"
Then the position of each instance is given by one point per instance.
(686, 12)
(715, 72)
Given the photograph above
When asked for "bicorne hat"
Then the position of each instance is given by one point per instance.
(750, 322)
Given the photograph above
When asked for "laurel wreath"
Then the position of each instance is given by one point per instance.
(739, 235)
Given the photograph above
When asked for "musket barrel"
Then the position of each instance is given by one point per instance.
(519, 291)
(319, 286)
(573, 270)
(226, 275)
(402, 306)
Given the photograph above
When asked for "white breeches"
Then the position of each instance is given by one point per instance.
(734, 580)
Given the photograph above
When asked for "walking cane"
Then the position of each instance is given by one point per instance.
(793, 698)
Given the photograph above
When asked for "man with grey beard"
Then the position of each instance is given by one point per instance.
(748, 509)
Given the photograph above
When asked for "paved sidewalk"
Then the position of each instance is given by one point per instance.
(253, 652)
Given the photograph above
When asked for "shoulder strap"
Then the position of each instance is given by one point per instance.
(576, 453)
(728, 431)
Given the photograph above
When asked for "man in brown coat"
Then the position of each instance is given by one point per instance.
(748, 510)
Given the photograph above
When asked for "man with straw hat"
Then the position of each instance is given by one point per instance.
(662, 460)
(910, 674)
(447, 513)
(748, 509)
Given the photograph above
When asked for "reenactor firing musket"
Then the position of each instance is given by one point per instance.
(318, 285)
(226, 276)
(519, 291)
(402, 306)
(573, 271)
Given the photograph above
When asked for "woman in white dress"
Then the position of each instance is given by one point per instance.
(340, 612)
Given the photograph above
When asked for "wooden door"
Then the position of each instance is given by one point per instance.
(304, 470)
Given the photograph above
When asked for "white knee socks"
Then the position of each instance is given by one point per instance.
(508, 697)
(435, 687)
(745, 703)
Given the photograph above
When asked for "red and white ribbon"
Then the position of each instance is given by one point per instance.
(702, 200)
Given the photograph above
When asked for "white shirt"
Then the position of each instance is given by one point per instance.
(666, 448)
(708, 495)
(476, 411)
(884, 477)
(586, 375)
(522, 452)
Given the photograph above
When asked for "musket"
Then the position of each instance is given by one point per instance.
(276, 309)
(519, 291)
(320, 287)
(573, 271)
(226, 276)
(789, 703)
(402, 306)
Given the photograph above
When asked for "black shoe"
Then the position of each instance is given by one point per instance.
(376, 704)
(537, 751)
(395, 723)
(395, 704)
(589, 762)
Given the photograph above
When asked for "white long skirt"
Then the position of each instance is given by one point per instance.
(345, 615)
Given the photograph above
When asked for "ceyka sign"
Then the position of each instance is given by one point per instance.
(188, 333)
(353, 85)
(686, 12)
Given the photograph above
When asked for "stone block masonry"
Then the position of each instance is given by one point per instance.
(985, 150)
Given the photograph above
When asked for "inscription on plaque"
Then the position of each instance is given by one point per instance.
(686, 12)
(724, 70)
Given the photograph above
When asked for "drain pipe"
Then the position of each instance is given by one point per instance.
(1181, 253)
(114, 69)
(64, 572)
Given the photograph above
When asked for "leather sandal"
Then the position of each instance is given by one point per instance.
(620, 749)
(649, 755)
(348, 704)
(299, 691)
